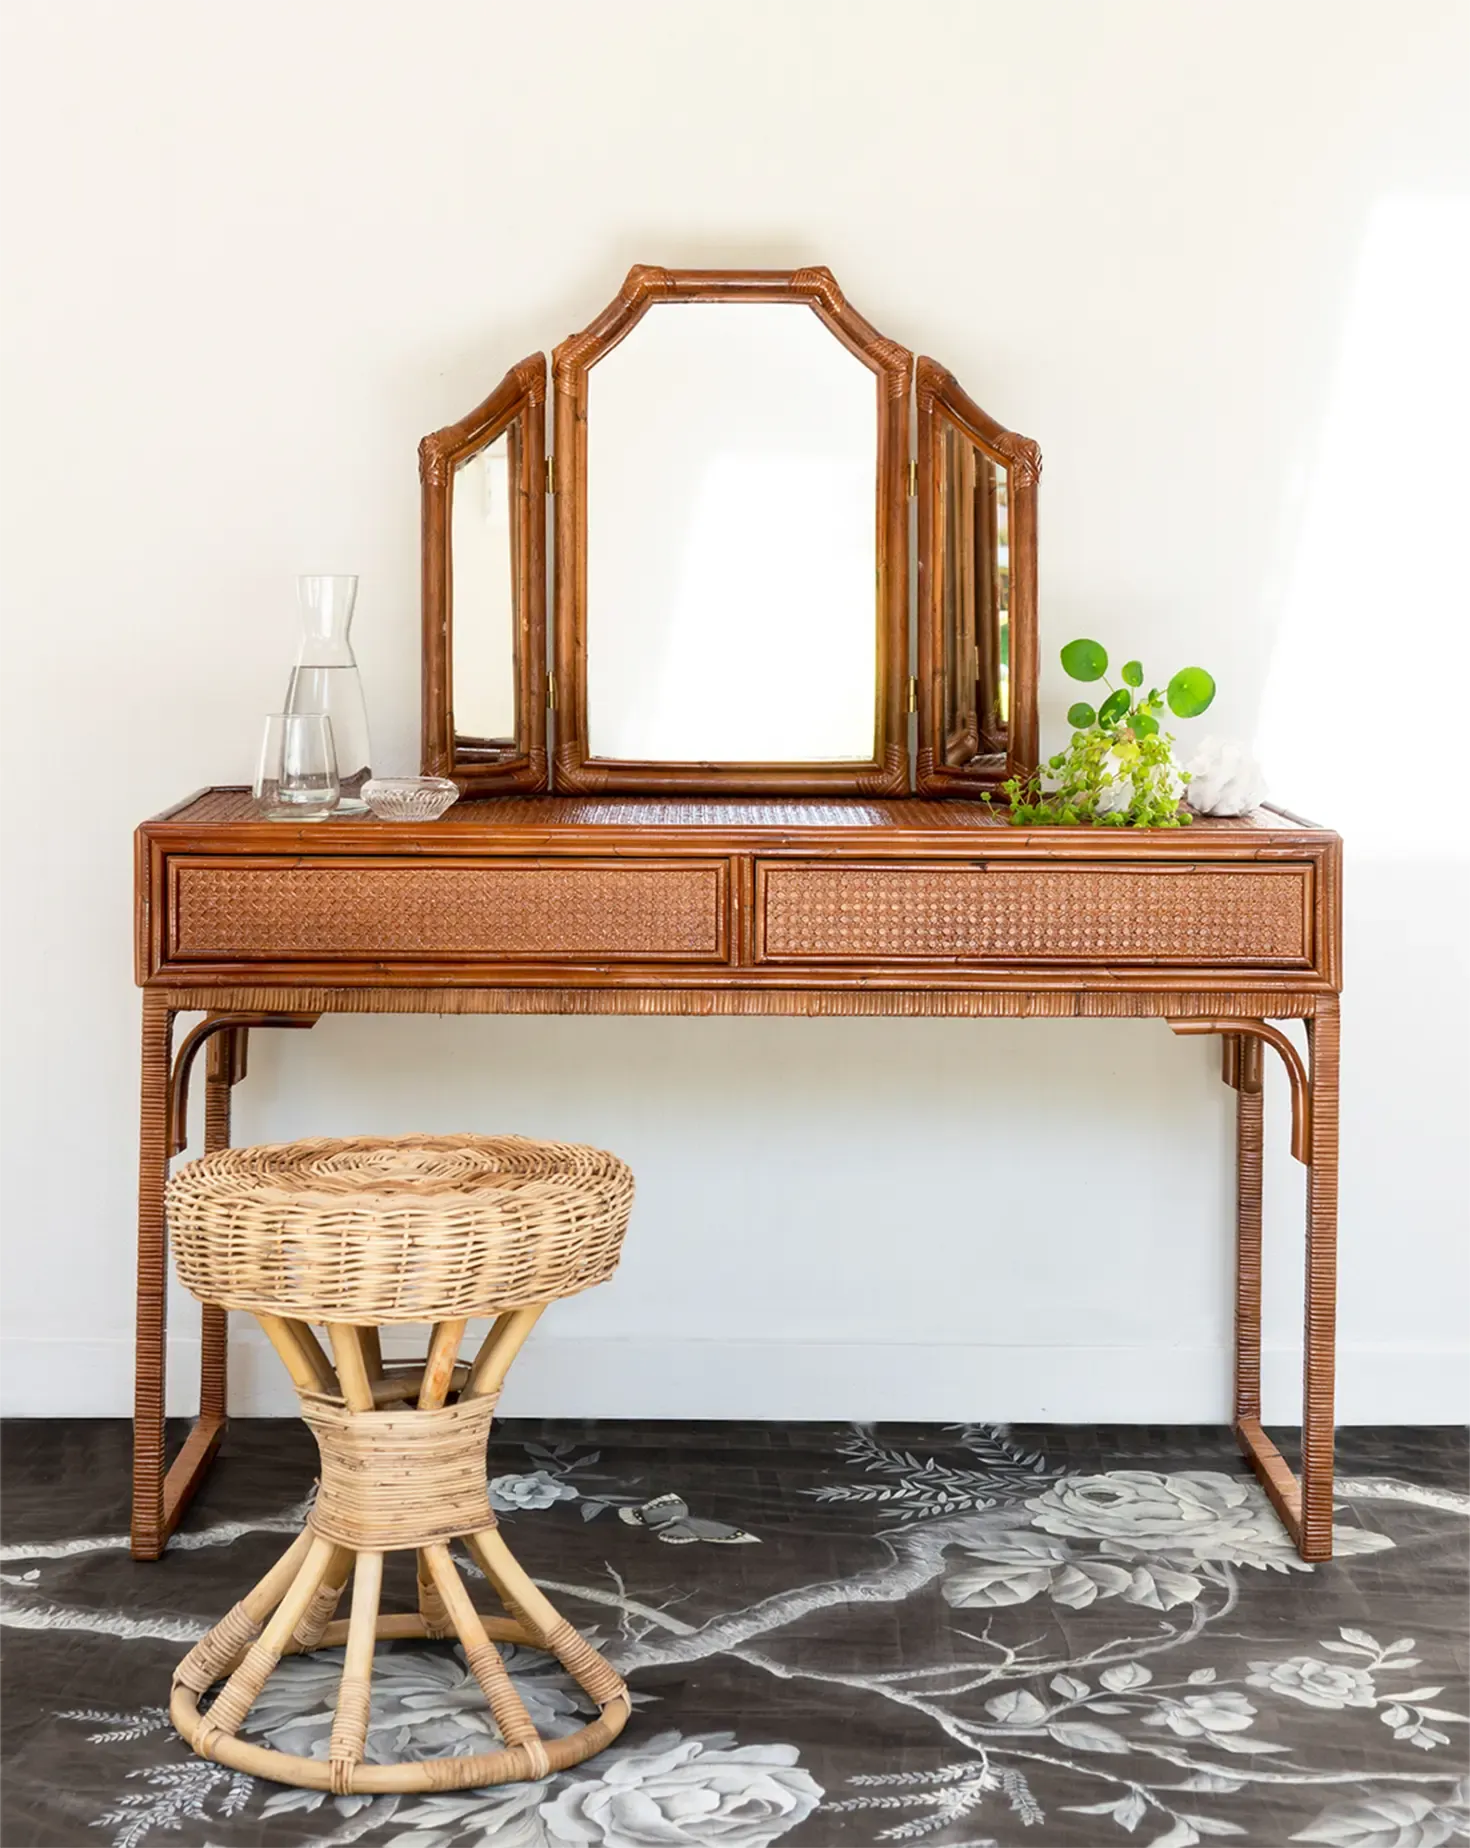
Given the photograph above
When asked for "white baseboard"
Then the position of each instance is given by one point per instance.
(598, 1376)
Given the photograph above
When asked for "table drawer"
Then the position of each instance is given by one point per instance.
(533, 911)
(1125, 913)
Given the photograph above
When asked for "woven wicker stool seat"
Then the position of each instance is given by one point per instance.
(354, 1235)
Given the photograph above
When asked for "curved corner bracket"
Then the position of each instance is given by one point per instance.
(580, 778)
(1024, 458)
(190, 1048)
(642, 285)
(937, 385)
(1296, 1071)
(433, 462)
(524, 384)
(646, 279)
(892, 779)
(819, 281)
(931, 381)
(897, 363)
(569, 359)
(530, 375)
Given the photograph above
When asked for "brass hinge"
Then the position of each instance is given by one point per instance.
(550, 475)
(551, 692)
(913, 478)
(913, 705)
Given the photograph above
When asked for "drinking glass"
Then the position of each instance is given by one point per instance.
(297, 778)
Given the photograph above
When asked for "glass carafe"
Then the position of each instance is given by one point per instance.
(325, 679)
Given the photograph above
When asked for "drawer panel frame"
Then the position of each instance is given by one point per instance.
(371, 936)
(868, 881)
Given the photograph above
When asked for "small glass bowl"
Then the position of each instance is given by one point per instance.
(409, 798)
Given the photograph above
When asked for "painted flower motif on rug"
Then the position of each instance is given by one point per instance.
(1100, 1653)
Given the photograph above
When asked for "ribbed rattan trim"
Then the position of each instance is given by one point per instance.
(403, 1229)
(399, 1479)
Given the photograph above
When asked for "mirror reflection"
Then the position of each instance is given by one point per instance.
(975, 597)
(731, 589)
(484, 538)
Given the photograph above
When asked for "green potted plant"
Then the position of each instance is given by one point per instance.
(1119, 770)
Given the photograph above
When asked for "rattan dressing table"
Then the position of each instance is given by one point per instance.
(636, 887)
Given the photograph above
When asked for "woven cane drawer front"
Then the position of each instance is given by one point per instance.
(503, 911)
(1116, 914)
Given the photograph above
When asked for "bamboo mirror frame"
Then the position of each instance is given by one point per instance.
(516, 410)
(885, 771)
(975, 691)
(976, 685)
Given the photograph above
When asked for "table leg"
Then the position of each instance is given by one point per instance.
(149, 1531)
(225, 1066)
(159, 1497)
(1319, 1361)
(1305, 1507)
(1246, 1078)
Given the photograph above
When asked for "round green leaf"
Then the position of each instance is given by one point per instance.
(1114, 707)
(1080, 716)
(1190, 692)
(1144, 724)
(1085, 660)
(1133, 673)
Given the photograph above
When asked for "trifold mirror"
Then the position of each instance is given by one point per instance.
(977, 591)
(732, 485)
(484, 589)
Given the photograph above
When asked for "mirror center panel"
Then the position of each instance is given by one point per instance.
(732, 609)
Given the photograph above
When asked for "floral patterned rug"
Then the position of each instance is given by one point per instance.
(968, 1637)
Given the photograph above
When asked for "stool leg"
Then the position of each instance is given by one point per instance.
(534, 1609)
(218, 1652)
(301, 1353)
(433, 1389)
(352, 1367)
(505, 1340)
(239, 1692)
(354, 1695)
(439, 1367)
(515, 1723)
(324, 1601)
(437, 1621)
(372, 1350)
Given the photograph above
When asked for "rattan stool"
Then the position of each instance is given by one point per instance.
(355, 1235)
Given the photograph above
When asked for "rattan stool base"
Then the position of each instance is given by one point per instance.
(352, 1235)
(383, 1490)
(224, 1650)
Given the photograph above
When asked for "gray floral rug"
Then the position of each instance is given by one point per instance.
(969, 1637)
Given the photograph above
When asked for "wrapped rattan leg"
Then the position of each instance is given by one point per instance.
(324, 1601)
(437, 1621)
(354, 1695)
(433, 1390)
(218, 1652)
(515, 1723)
(540, 1616)
(239, 1692)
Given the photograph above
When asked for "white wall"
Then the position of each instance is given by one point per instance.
(1207, 256)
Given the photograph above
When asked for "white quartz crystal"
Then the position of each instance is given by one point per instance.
(1224, 779)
